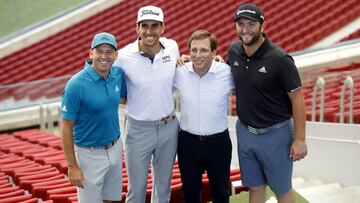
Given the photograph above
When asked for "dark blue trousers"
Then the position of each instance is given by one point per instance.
(197, 154)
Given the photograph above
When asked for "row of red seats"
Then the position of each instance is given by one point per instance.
(34, 167)
(354, 35)
(27, 178)
(24, 158)
(64, 53)
(334, 79)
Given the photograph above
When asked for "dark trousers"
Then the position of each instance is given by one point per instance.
(199, 154)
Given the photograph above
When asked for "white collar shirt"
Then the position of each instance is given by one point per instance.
(204, 100)
(149, 82)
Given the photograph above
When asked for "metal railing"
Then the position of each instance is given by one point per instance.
(348, 83)
(320, 84)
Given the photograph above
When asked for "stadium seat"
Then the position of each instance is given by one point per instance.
(16, 199)
(62, 198)
(8, 189)
(27, 184)
(41, 191)
(14, 193)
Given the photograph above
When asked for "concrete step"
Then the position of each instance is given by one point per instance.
(349, 194)
(320, 189)
(296, 181)
(306, 184)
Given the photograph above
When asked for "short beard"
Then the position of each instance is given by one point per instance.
(254, 39)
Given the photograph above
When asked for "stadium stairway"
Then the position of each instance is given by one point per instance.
(316, 191)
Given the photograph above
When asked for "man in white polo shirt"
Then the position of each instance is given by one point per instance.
(152, 131)
(204, 142)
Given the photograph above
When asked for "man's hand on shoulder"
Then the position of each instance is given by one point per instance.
(182, 60)
(218, 58)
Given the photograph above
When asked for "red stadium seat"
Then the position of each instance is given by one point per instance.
(41, 191)
(27, 184)
(69, 190)
(62, 198)
(14, 193)
(8, 189)
(16, 199)
(32, 200)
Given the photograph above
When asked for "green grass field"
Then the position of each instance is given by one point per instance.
(243, 197)
(15, 15)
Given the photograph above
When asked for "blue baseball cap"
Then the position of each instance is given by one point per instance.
(104, 38)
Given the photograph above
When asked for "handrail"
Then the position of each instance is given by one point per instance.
(348, 83)
(320, 83)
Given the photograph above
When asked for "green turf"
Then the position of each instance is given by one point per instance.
(15, 15)
(244, 196)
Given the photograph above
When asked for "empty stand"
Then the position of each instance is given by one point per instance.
(41, 171)
(293, 26)
(354, 35)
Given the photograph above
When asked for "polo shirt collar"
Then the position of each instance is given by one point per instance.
(259, 53)
(95, 75)
(162, 44)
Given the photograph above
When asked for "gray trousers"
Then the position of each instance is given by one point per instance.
(146, 141)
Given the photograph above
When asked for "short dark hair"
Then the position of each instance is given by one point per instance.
(203, 34)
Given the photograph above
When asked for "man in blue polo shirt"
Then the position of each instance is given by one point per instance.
(90, 130)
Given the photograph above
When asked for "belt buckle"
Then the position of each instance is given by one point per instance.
(202, 137)
(108, 146)
(252, 130)
(111, 144)
(167, 119)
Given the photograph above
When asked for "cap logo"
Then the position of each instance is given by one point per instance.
(105, 38)
(149, 12)
(247, 11)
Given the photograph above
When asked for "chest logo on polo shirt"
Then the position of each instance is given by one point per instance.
(262, 70)
(116, 88)
(64, 109)
(166, 59)
(236, 63)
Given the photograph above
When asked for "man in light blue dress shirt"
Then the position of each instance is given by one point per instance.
(204, 143)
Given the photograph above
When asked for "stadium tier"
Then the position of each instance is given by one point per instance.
(293, 25)
(353, 35)
(64, 53)
(39, 168)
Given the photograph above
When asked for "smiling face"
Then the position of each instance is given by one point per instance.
(201, 55)
(150, 32)
(249, 31)
(103, 57)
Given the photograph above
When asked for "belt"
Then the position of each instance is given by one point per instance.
(267, 129)
(163, 121)
(168, 118)
(206, 137)
(107, 146)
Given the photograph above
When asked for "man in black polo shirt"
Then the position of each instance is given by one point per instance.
(270, 108)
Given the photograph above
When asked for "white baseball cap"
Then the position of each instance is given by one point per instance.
(150, 13)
